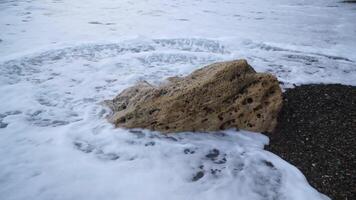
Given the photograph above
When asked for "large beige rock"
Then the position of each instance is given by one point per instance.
(219, 96)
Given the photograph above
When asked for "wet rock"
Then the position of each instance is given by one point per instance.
(219, 96)
(198, 176)
(213, 154)
(268, 163)
(188, 151)
(3, 125)
(222, 161)
(150, 144)
(215, 171)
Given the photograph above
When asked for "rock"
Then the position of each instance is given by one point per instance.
(219, 96)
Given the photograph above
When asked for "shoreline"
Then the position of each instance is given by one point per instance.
(316, 132)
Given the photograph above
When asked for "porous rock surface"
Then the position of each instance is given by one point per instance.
(219, 96)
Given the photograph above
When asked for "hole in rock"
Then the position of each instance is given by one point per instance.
(122, 120)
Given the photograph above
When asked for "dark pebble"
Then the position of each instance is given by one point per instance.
(150, 144)
(3, 125)
(198, 176)
(213, 154)
(222, 161)
(188, 151)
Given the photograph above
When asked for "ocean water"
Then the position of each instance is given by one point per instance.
(60, 59)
